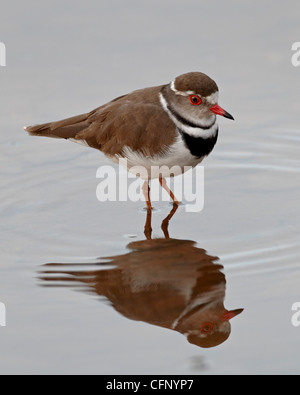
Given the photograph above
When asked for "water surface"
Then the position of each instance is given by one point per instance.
(85, 291)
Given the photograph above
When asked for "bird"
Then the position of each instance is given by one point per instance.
(169, 283)
(152, 130)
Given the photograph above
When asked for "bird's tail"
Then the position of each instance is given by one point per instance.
(65, 129)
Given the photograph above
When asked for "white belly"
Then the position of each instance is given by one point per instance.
(174, 161)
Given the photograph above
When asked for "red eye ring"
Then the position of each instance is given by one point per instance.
(195, 100)
(207, 327)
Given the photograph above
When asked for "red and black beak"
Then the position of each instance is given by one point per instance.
(219, 111)
(231, 314)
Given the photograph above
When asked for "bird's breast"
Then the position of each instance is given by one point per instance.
(199, 146)
(170, 161)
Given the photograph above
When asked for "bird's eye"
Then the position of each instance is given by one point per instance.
(195, 100)
(207, 327)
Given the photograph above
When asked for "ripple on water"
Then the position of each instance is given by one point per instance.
(259, 178)
(266, 173)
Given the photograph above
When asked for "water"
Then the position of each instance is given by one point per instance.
(84, 291)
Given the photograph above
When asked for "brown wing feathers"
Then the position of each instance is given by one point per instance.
(135, 120)
(64, 129)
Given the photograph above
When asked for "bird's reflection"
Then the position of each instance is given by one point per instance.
(166, 282)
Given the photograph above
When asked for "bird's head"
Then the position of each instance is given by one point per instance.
(193, 97)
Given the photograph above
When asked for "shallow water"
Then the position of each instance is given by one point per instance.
(85, 292)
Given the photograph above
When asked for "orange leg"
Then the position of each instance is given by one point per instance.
(164, 185)
(165, 222)
(146, 192)
(148, 227)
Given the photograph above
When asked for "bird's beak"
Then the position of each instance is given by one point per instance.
(231, 314)
(220, 111)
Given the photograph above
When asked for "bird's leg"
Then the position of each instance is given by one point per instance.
(165, 223)
(148, 228)
(146, 192)
(164, 185)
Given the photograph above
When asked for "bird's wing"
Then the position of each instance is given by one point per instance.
(135, 120)
(143, 127)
